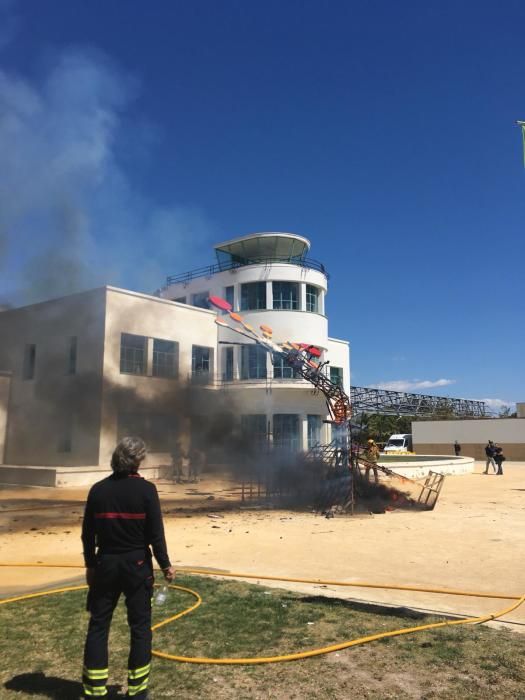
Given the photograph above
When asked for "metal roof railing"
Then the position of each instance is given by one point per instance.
(210, 270)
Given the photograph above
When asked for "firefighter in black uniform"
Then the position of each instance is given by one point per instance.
(122, 519)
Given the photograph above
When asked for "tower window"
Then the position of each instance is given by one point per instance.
(336, 375)
(253, 362)
(200, 299)
(312, 298)
(286, 295)
(229, 295)
(253, 296)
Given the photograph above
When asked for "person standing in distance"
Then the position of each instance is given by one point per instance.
(122, 520)
(457, 448)
(499, 458)
(489, 453)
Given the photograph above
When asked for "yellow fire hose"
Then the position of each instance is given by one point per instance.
(298, 655)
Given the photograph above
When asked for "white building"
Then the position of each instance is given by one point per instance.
(269, 279)
(78, 373)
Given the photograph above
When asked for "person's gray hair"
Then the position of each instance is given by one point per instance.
(128, 455)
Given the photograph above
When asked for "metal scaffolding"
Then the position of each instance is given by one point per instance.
(399, 403)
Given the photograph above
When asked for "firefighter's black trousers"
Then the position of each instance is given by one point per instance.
(131, 574)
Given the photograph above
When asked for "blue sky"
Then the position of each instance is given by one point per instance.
(134, 135)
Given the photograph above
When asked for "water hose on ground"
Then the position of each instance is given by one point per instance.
(518, 600)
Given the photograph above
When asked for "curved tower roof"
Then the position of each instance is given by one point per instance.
(264, 246)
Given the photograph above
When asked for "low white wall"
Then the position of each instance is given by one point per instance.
(437, 437)
(63, 477)
(504, 430)
(419, 470)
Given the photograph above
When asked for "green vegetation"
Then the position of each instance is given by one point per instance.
(42, 640)
(380, 427)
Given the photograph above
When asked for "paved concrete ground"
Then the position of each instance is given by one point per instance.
(473, 540)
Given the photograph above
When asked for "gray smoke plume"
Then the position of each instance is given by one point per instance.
(70, 216)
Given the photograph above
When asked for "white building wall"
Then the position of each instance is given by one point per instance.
(215, 284)
(338, 352)
(437, 437)
(139, 314)
(271, 396)
(54, 407)
(98, 388)
(298, 325)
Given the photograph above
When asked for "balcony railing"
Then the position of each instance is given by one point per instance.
(210, 270)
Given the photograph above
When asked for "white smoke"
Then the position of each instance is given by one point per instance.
(69, 216)
(496, 405)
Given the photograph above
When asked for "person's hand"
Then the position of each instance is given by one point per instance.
(90, 575)
(169, 573)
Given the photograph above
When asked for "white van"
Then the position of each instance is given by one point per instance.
(399, 443)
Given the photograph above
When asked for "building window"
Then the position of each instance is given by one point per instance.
(312, 298)
(228, 364)
(180, 300)
(201, 363)
(285, 295)
(200, 299)
(132, 354)
(253, 362)
(254, 427)
(253, 296)
(336, 375)
(229, 295)
(72, 355)
(165, 358)
(281, 368)
(29, 361)
(286, 434)
(314, 431)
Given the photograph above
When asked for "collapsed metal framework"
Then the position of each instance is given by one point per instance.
(346, 463)
(400, 403)
(302, 359)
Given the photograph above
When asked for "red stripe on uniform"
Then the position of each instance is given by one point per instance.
(121, 516)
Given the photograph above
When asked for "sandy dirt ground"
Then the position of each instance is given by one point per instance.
(474, 540)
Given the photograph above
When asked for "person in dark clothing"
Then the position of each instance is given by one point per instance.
(499, 458)
(122, 520)
(457, 448)
(489, 453)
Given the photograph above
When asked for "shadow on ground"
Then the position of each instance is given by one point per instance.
(370, 608)
(38, 683)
